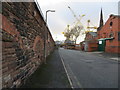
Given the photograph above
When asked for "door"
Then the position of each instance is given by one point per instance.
(101, 45)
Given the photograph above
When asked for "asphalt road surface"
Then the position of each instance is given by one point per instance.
(89, 70)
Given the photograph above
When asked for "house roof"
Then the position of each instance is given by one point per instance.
(93, 33)
(112, 15)
(105, 38)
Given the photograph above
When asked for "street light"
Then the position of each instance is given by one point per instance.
(45, 49)
(47, 12)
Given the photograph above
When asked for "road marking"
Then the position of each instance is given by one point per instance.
(70, 80)
(75, 78)
(67, 73)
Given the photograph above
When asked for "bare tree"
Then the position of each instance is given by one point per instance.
(75, 32)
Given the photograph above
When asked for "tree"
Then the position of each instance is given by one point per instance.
(75, 32)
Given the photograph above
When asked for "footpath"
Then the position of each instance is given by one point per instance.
(49, 75)
(112, 56)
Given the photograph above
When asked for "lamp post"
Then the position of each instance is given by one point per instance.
(45, 49)
(47, 12)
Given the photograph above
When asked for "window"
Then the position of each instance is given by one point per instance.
(100, 42)
(111, 23)
(111, 34)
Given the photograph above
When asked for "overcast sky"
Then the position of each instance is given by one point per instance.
(58, 20)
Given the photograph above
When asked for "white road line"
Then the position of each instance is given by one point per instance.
(67, 73)
(75, 78)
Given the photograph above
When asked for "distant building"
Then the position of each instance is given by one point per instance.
(58, 42)
(109, 35)
(91, 43)
(69, 42)
(91, 36)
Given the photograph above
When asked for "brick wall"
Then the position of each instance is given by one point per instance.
(111, 31)
(23, 36)
(91, 42)
(92, 46)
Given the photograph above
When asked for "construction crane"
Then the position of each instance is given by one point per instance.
(90, 28)
(76, 30)
(78, 19)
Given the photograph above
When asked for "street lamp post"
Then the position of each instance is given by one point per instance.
(46, 33)
(47, 12)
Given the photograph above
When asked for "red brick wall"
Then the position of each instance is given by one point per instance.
(89, 37)
(92, 43)
(93, 46)
(111, 45)
(23, 29)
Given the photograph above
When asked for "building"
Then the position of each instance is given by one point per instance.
(91, 43)
(109, 35)
(101, 21)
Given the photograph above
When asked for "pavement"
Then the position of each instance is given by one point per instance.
(89, 70)
(50, 75)
(112, 56)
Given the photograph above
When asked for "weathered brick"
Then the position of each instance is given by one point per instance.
(23, 41)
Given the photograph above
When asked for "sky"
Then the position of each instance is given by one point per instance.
(58, 20)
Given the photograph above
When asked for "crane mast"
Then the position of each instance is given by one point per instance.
(73, 33)
(73, 13)
(78, 19)
(90, 28)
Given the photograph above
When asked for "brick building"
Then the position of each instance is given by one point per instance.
(109, 35)
(23, 41)
(91, 43)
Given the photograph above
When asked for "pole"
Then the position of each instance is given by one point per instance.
(46, 34)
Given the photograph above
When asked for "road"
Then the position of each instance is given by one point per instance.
(87, 70)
